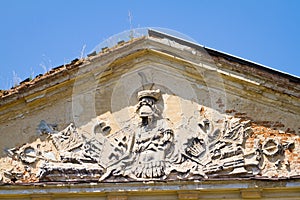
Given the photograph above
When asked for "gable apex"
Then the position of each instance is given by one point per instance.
(152, 109)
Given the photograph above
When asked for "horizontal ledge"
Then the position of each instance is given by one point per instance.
(151, 187)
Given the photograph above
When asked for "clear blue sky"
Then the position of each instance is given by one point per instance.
(39, 34)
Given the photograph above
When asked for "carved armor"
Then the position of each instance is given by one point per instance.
(151, 149)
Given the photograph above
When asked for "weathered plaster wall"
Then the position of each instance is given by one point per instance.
(19, 122)
(193, 85)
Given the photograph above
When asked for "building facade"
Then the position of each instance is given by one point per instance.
(155, 117)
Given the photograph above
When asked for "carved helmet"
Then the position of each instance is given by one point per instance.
(154, 94)
(147, 99)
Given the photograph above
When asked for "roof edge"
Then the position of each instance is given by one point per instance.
(227, 56)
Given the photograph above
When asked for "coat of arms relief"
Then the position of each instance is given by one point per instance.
(151, 147)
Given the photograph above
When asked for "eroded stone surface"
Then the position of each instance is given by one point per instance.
(150, 146)
(103, 119)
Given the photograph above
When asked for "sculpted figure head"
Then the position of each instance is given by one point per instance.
(146, 108)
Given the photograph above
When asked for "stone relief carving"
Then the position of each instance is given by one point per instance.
(152, 149)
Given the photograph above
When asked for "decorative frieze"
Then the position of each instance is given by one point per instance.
(149, 148)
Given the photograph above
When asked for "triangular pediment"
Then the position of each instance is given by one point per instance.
(153, 109)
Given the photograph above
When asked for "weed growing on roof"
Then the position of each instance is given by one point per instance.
(16, 79)
(46, 63)
(82, 52)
